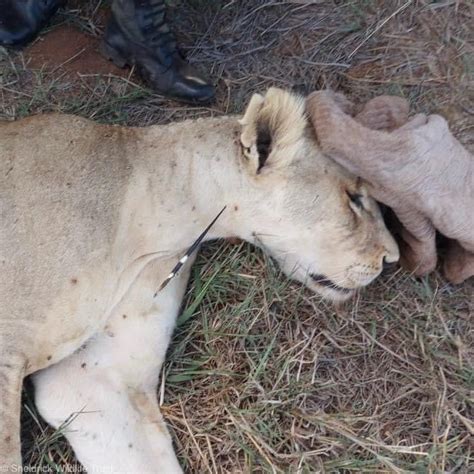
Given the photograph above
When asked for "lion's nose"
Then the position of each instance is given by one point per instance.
(387, 264)
(391, 253)
(390, 256)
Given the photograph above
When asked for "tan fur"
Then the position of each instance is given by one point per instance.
(91, 213)
(384, 113)
(458, 263)
(419, 169)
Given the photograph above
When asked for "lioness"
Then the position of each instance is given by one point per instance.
(93, 217)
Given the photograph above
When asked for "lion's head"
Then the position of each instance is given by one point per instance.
(312, 216)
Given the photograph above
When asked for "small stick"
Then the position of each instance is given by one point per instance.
(188, 253)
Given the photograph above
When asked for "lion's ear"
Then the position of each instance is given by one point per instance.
(271, 127)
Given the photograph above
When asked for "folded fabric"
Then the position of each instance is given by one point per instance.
(415, 166)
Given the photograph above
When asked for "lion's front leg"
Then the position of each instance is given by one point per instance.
(106, 393)
(12, 371)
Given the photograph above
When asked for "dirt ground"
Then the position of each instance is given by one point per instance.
(72, 52)
(263, 376)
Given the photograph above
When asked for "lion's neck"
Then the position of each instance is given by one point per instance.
(185, 174)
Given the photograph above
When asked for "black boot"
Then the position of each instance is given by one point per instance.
(22, 20)
(138, 34)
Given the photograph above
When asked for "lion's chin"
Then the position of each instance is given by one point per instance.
(328, 289)
(331, 294)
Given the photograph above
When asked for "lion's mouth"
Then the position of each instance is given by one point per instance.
(326, 282)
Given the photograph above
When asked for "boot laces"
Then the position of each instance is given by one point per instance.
(156, 29)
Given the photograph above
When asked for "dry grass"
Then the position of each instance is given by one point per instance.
(263, 376)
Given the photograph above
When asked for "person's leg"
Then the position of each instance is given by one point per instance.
(22, 20)
(138, 34)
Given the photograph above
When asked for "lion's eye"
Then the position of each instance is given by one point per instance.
(356, 199)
